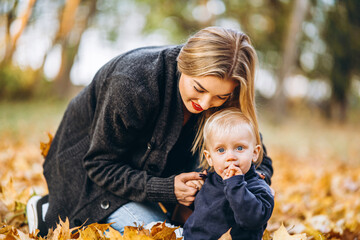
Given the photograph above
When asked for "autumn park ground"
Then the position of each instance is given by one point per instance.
(316, 163)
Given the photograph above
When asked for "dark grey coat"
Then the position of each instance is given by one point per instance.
(121, 139)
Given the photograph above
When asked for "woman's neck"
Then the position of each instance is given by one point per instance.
(187, 115)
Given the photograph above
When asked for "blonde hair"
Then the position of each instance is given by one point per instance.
(227, 54)
(224, 122)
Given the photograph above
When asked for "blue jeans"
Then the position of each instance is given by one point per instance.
(140, 213)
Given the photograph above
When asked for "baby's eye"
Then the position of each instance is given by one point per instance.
(239, 148)
(221, 150)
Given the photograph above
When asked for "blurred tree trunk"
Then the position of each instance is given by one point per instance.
(9, 18)
(342, 34)
(11, 41)
(291, 43)
(340, 81)
(74, 21)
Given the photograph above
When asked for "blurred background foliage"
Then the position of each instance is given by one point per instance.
(308, 49)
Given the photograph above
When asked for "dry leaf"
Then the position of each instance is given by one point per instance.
(282, 234)
(156, 228)
(94, 231)
(132, 233)
(166, 233)
(44, 147)
(89, 234)
(8, 232)
(12, 205)
(62, 231)
(266, 235)
(226, 236)
(114, 234)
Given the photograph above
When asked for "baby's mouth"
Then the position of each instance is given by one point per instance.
(235, 165)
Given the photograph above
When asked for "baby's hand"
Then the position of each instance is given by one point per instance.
(195, 183)
(231, 171)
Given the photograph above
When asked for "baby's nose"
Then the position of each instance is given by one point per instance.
(230, 157)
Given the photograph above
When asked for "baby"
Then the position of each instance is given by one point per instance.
(233, 195)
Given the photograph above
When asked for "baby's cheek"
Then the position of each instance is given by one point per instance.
(221, 172)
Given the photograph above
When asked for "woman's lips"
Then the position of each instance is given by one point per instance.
(197, 107)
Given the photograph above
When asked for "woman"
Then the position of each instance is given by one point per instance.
(124, 143)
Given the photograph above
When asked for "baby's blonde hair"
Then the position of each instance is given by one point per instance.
(227, 54)
(222, 123)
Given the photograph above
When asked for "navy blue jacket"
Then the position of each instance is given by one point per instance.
(243, 203)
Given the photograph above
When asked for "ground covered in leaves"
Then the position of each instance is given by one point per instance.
(316, 178)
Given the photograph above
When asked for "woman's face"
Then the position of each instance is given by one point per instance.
(201, 93)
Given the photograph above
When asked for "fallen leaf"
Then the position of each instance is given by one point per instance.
(162, 232)
(114, 234)
(132, 233)
(8, 232)
(94, 231)
(266, 235)
(166, 233)
(282, 234)
(62, 231)
(226, 236)
(44, 147)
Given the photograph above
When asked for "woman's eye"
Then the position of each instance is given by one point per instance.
(239, 148)
(221, 150)
(222, 98)
(198, 90)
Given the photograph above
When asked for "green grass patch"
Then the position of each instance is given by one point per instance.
(29, 121)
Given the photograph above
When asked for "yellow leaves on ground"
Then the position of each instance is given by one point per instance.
(158, 232)
(318, 197)
(12, 200)
(94, 231)
(317, 189)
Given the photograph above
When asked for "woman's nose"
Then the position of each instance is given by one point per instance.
(205, 102)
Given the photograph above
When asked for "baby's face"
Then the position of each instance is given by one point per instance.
(238, 148)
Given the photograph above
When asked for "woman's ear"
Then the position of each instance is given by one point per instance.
(208, 157)
(256, 153)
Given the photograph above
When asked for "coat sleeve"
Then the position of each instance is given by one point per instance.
(266, 165)
(252, 208)
(124, 109)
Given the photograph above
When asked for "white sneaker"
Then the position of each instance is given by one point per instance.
(36, 209)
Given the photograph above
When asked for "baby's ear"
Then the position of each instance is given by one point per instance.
(208, 157)
(256, 153)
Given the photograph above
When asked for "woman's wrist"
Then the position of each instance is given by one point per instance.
(161, 190)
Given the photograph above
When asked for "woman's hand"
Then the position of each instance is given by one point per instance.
(198, 183)
(262, 176)
(186, 194)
